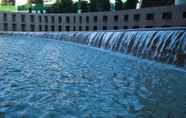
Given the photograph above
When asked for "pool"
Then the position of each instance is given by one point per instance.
(45, 78)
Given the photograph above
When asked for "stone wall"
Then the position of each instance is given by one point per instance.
(171, 16)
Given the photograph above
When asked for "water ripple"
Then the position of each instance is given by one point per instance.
(48, 78)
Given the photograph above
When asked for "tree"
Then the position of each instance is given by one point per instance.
(6, 2)
(39, 2)
(61, 6)
(93, 5)
(66, 6)
(84, 6)
(39, 6)
(12, 2)
(30, 6)
(3, 2)
(130, 4)
(167, 2)
(99, 5)
(156, 3)
(119, 5)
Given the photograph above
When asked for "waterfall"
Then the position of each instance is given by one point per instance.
(164, 46)
(168, 46)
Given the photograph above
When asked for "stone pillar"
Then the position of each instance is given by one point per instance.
(180, 2)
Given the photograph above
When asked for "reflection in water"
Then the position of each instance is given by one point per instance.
(46, 78)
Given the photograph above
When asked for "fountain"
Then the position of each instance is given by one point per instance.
(48, 74)
(168, 46)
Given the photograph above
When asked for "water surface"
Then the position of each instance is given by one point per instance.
(43, 78)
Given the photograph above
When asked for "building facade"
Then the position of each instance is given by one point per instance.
(171, 16)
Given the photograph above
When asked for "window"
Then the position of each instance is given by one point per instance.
(40, 28)
(23, 27)
(5, 17)
(87, 28)
(52, 28)
(67, 19)
(59, 28)
(95, 19)
(80, 19)
(32, 18)
(149, 26)
(116, 17)
(104, 27)
(166, 26)
(13, 17)
(80, 28)
(46, 27)
(14, 27)
(40, 19)
(22, 18)
(53, 19)
(67, 28)
(126, 18)
(87, 19)
(95, 28)
(167, 16)
(105, 18)
(136, 17)
(5, 26)
(32, 27)
(74, 19)
(184, 14)
(46, 19)
(74, 28)
(115, 27)
(135, 27)
(59, 19)
(150, 16)
(125, 27)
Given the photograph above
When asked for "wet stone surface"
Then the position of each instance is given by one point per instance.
(42, 78)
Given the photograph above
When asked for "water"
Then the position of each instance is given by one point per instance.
(45, 78)
(167, 46)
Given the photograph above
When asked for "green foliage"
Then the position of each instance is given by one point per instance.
(67, 6)
(39, 2)
(84, 6)
(130, 4)
(153, 3)
(119, 5)
(39, 6)
(9, 8)
(29, 5)
(61, 6)
(7, 2)
(99, 5)
(3, 2)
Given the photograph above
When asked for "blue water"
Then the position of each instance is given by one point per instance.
(43, 78)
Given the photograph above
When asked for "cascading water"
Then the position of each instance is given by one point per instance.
(167, 46)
